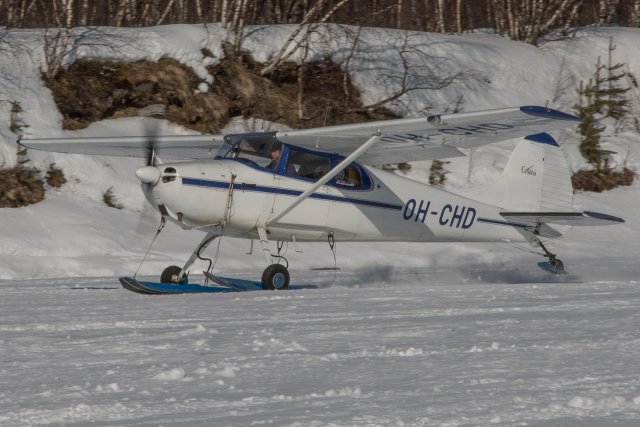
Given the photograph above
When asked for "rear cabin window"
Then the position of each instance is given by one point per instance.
(313, 166)
(350, 177)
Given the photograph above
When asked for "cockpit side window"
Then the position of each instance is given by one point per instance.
(264, 153)
(306, 164)
(262, 150)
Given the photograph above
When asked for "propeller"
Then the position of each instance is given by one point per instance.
(149, 174)
(151, 126)
(151, 147)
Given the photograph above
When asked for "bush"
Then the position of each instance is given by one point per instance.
(20, 186)
(109, 199)
(55, 177)
(599, 181)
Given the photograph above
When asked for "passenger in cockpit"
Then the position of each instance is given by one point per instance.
(351, 177)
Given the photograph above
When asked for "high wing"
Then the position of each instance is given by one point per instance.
(432, 137)
(171, 147)
(400, 140)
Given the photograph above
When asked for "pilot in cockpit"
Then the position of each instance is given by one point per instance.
(275, 156)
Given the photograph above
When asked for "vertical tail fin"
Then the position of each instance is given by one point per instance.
(535, 179)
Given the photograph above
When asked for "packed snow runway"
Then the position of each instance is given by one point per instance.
(356, 352)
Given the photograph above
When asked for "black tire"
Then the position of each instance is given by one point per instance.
(170, 273)
(275, 277)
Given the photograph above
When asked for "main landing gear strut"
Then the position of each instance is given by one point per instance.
(175, 274)
(274, 277)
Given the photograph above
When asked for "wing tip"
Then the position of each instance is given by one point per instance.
(549, 113)
(542, 138)
(604, 217)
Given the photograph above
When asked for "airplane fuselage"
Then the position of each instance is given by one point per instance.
(242, 198)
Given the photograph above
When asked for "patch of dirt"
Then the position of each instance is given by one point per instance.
(88, 91)
(55, 176)
(20, 186)
(601, 181)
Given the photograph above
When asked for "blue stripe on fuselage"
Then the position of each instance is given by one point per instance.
(287, 192)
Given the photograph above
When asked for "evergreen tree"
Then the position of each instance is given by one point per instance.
(589, 109)
(602, 97)
(437, 173)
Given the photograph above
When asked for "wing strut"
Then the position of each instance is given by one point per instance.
(322, 181)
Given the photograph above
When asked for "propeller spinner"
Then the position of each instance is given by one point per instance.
(148, 174)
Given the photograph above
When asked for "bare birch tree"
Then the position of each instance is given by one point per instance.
(306, 28)
(520, 19)
(459, 16)
(416, 72)
(440, 14)
(607, 11)
(224, 12)
(528, 20)
(238, 22)
(57, 40)
(346, 65)
(398, 14)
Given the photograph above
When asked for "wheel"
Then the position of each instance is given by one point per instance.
(170, 275)
(275, 277)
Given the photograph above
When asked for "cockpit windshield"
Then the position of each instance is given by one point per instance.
(262, 149)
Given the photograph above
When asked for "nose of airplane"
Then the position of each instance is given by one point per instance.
(148, 174)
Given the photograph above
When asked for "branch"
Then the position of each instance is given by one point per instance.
(285, 53)
(413, 77)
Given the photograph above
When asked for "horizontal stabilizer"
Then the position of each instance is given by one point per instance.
(562, 218)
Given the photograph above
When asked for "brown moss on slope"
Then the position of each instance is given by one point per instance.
(20, 186)
(599, 181)
(88, 91)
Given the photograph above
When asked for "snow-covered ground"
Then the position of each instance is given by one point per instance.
(406, 347)
(404, 334)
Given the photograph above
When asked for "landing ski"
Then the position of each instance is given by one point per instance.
(155, 288)
(134, 285)
(218, 285)
(547, 266)
(235, 284)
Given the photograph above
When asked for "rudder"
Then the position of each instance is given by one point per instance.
(535, 179)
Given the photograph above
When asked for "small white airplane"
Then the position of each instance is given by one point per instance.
(320, 184)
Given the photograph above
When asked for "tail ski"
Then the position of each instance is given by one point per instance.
(535, 189)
